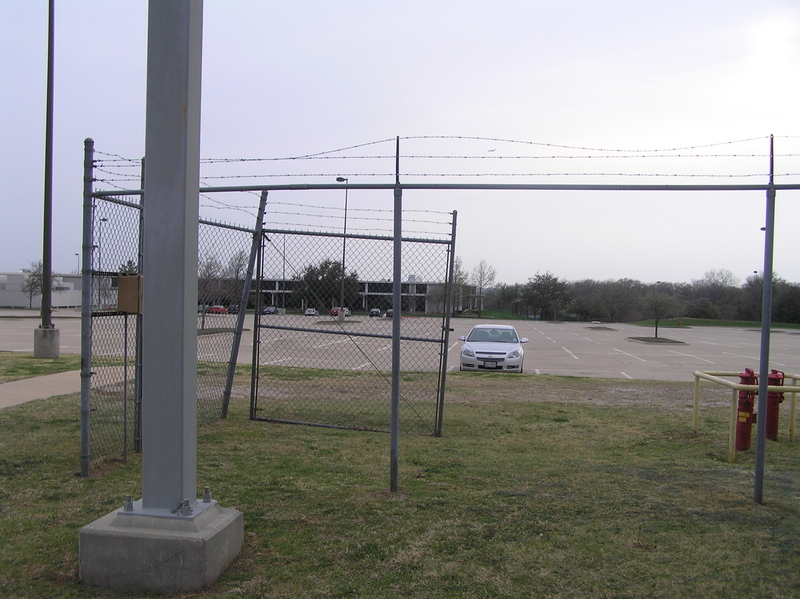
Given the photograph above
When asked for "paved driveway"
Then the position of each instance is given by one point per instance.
(572, 349)
(582, 349)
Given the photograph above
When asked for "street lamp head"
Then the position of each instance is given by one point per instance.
(341, 179)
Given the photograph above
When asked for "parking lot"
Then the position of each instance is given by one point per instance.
(571, 349)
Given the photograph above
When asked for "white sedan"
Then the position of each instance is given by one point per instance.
(492, 347)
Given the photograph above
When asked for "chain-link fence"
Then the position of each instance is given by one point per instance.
(114, 358)
(323, 333)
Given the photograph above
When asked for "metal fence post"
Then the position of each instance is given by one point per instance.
(137, 401)
(237, 336)
(766, 323)
(446, 337)
(86, 305)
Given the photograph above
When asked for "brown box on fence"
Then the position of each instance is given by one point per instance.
(129, 293)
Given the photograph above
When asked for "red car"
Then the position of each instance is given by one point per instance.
(217, 310)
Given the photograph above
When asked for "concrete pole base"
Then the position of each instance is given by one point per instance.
(147, 550)
(47, 344)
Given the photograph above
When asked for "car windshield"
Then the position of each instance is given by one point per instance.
(493, 336)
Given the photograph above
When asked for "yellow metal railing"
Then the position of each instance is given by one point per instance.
(717, 377)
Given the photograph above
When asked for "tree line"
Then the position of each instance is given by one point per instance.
(717, 295)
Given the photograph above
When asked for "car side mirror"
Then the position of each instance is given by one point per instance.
(524, 340)
(462, 338)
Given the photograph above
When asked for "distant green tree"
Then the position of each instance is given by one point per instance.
(702, 308)
(545, 294)
(320, 285)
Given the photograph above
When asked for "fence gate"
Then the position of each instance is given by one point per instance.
(111, 333)
(313, 365)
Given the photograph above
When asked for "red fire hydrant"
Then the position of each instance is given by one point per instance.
(774, 401)
(744, 426)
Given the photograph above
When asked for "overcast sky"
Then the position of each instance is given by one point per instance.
(491, 80)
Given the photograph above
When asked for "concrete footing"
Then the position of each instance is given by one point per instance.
(46, 344)
(147, 550)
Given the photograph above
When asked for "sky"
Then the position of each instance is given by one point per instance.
(576, 91)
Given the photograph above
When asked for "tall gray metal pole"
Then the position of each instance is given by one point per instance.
(169, 303)
(394, 429)
(47, 249)
(766, 323)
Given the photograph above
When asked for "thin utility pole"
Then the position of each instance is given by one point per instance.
(47, 249)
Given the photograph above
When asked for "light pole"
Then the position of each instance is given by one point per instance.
(78, 258)
(344, 249)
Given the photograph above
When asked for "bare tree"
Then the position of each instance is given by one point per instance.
(660, 305)
(34, 282)
(482, 276)
(460, 279)
(720, 289)
(209, 283)
(234, 275)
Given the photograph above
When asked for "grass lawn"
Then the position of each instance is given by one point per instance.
(541, 487)
(17, 365)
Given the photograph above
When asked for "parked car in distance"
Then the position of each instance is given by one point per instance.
(233, 309)
(492, 347)
(217, 310)
(375, 312)
(335, 311)
(269, 310)
(311, 312)
(389, 312)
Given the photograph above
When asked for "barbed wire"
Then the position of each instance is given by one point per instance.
(110, 163)
(584, 148)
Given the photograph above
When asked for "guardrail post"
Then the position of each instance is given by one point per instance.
(696, 406)
(793, 410)
(732, 427)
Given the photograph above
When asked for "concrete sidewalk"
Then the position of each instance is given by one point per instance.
(16, 392)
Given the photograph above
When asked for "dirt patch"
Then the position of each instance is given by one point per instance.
(664, 395)
(477, 388)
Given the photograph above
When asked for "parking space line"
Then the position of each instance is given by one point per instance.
(672, 351)
(725, 353)
(630, 355)
(627, 376)
(569, 352)
(276, 361)
(329, 343)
